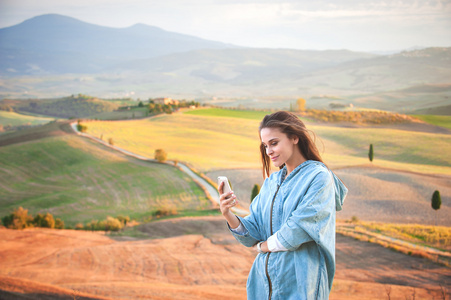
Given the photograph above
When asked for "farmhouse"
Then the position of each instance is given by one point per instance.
(167, 101)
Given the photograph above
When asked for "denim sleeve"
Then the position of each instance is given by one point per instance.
(312, 215)
(250, 234)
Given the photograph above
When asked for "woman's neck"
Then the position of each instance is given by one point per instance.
(294, 161)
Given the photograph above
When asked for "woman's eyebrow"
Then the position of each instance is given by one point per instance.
(273, 139)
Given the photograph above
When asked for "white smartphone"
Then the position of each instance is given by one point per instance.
(226, 188)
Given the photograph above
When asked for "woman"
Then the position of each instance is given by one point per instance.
(292, 220)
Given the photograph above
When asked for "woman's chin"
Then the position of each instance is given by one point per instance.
(276, 164)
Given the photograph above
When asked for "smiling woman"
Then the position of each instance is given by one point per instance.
(292, 220)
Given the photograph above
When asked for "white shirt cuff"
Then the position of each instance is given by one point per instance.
(239, 230)
(274, 245)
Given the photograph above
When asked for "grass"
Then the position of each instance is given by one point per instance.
(77, 180)
(229, 113)
(124, 114)
(416, 150)
(211, 139)
(15, 119)
(205, 142)
(438, 237)
(443, 121)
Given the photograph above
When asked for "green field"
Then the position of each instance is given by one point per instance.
(78, 180)
(212, 139)
(218, 112)
(15, 119)
(443, 121)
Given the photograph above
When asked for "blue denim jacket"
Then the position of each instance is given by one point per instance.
(301, 211)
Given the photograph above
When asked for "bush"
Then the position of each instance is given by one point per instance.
(110, 224)
(165, 211)
(160, 155)
(44, 221)
(19, 219)
(255, 191)
(123, 220)
(113, 224)
(59, 224)
(82, 128)
(110, 141)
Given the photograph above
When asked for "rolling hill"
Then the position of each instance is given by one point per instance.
(78, 180)
(58, 44)
(53, 55)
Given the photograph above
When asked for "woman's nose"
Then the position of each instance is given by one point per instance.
(268, 151)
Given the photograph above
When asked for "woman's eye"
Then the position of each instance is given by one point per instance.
(274, 144)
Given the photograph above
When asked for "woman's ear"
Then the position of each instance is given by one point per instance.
(295, 140)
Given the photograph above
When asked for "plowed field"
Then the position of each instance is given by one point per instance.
(67, 264)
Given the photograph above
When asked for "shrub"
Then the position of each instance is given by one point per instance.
(19, 219)
(123, 220)
(255, 191)
(44, 221)
(112, 224)
(160, 155)
(436, 200)
(110, 141)
(165, 211)
(59, 224)
(82, 128)
(79, 226)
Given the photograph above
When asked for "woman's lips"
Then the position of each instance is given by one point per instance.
(274, 158)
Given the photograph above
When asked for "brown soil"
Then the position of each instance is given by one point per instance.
(68, 264)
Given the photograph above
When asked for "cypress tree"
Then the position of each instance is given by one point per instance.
(371, 153)
(255, 191)
(436, 202)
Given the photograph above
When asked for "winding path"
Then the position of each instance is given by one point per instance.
(211, 192)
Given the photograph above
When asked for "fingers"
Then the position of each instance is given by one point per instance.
(221, 187)
(227, 201)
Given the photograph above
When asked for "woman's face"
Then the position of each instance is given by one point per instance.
(279, 147)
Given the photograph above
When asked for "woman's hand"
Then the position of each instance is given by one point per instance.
(226, 201)
(263, 247)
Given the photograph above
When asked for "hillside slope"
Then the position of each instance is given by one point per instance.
(58, 44)
(78, 180)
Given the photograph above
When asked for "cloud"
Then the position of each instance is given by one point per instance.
(323, 24)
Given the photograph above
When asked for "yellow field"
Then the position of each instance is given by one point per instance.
(212, 142)
(207, 143)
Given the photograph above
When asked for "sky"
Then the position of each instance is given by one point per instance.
(357, 25)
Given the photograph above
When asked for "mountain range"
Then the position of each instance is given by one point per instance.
(54, 55)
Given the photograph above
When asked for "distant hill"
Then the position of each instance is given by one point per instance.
(147, 62)
(58, 44)
(67, 107)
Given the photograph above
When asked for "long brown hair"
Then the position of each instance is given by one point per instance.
(292, 126)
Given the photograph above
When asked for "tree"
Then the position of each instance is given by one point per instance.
(436, 202)
(19, 219)
(49, 221)
(123, 219)
(160, 155)
(371, 153)
(255, 191)
(301, 104)
(59, 224)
